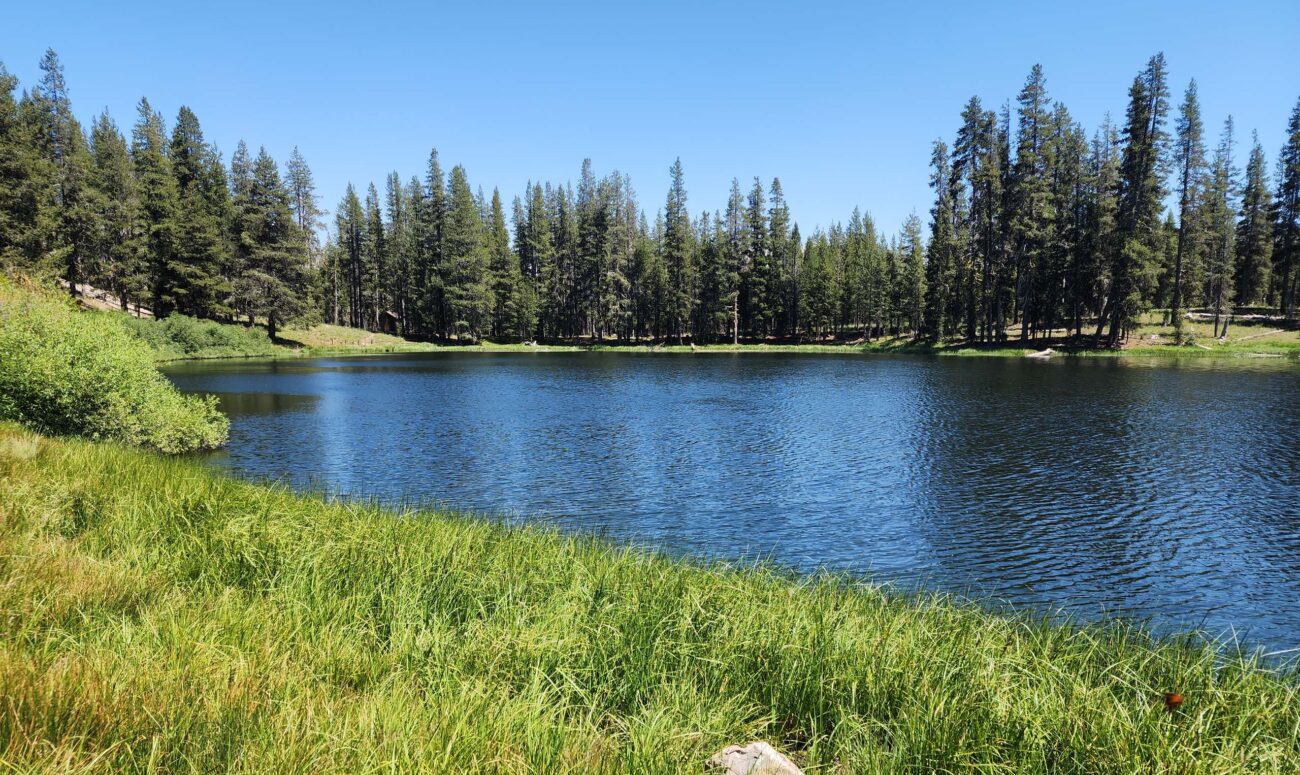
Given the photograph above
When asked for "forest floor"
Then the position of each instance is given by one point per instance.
(159, 615)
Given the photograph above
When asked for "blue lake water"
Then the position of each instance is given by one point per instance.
(1163, 492)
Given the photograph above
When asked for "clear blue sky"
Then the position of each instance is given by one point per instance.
(841, 100)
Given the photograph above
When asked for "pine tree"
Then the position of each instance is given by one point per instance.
(158, 201)
(732, 255)
(679, 255)
(19, 200)
(537, 260)
(469, 288)
(1141, 192)
(273, 286)
(350, 228)
(191, 278)
(1254, 238)
(400, 248)
(375, 260)
(1189, 164)
(1101, 243)
(563, 301)
(417, 270)
(65, 219)
(912, 289)
(758, 262)
(303, 201)
(435, 310)
(1286, 230)
(118, 262)
(1220, 190)
(779, 295)
(504, 271)
(1033, 211)
(941, 255)
(1069, 195)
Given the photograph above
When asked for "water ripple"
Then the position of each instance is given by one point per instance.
(1096, 486)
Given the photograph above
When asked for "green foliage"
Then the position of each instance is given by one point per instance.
(75, 373)
(179, 337)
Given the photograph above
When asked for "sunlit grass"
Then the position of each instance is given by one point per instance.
(158, 616)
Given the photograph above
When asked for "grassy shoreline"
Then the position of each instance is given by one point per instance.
(338, 341)
(159, 615)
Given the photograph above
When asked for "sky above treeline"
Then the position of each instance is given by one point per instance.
(841, 100)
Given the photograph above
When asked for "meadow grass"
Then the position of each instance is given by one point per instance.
(158, 616)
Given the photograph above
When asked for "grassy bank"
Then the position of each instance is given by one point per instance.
(181, 338)
(68, 372)
(158, 616)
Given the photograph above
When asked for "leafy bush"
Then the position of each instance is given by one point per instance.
(81, 373)
(179, 336)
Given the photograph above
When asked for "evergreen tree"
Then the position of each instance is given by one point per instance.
(731, 252)
(1220, 190)
(912, 288)
(158, 201)
(350, 228)
(118, 262)
(191, 279)
(504, 270)
(273, 286)
(375, 260)
(19, 200)
(1101, 243)
(1254, 238)
(468, 282)
(399, 247)
(1189, 165)
(941, 254)
(779, 293)
(1286, 230)
(758, 248)
(65, 218)
(432, 263)
(679, 255)
(1033, 212)
(303, 201)
(537, 261)
(1141, 193)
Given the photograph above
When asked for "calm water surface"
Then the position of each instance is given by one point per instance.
(1166, 493)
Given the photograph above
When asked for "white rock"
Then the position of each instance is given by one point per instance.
(757, 758)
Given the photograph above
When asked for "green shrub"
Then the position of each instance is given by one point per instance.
(80, 373)
(180, 336)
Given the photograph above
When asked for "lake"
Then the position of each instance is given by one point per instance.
(1166, 492)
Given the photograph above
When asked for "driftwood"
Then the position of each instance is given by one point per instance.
(1041, 354)
(757, 758)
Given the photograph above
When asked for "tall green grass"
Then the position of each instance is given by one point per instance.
(64, 371)
(158, 616)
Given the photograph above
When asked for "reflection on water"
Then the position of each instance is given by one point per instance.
(1103, 487)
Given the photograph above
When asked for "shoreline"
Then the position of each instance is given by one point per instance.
(175, 611)
(1157, 352)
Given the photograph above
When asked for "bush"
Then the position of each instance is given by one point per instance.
(180, 336)
(68, 372)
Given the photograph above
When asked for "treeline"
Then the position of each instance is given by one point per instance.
(1036, 225)
(1037, 230)
(585, 262)
(157, 220)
